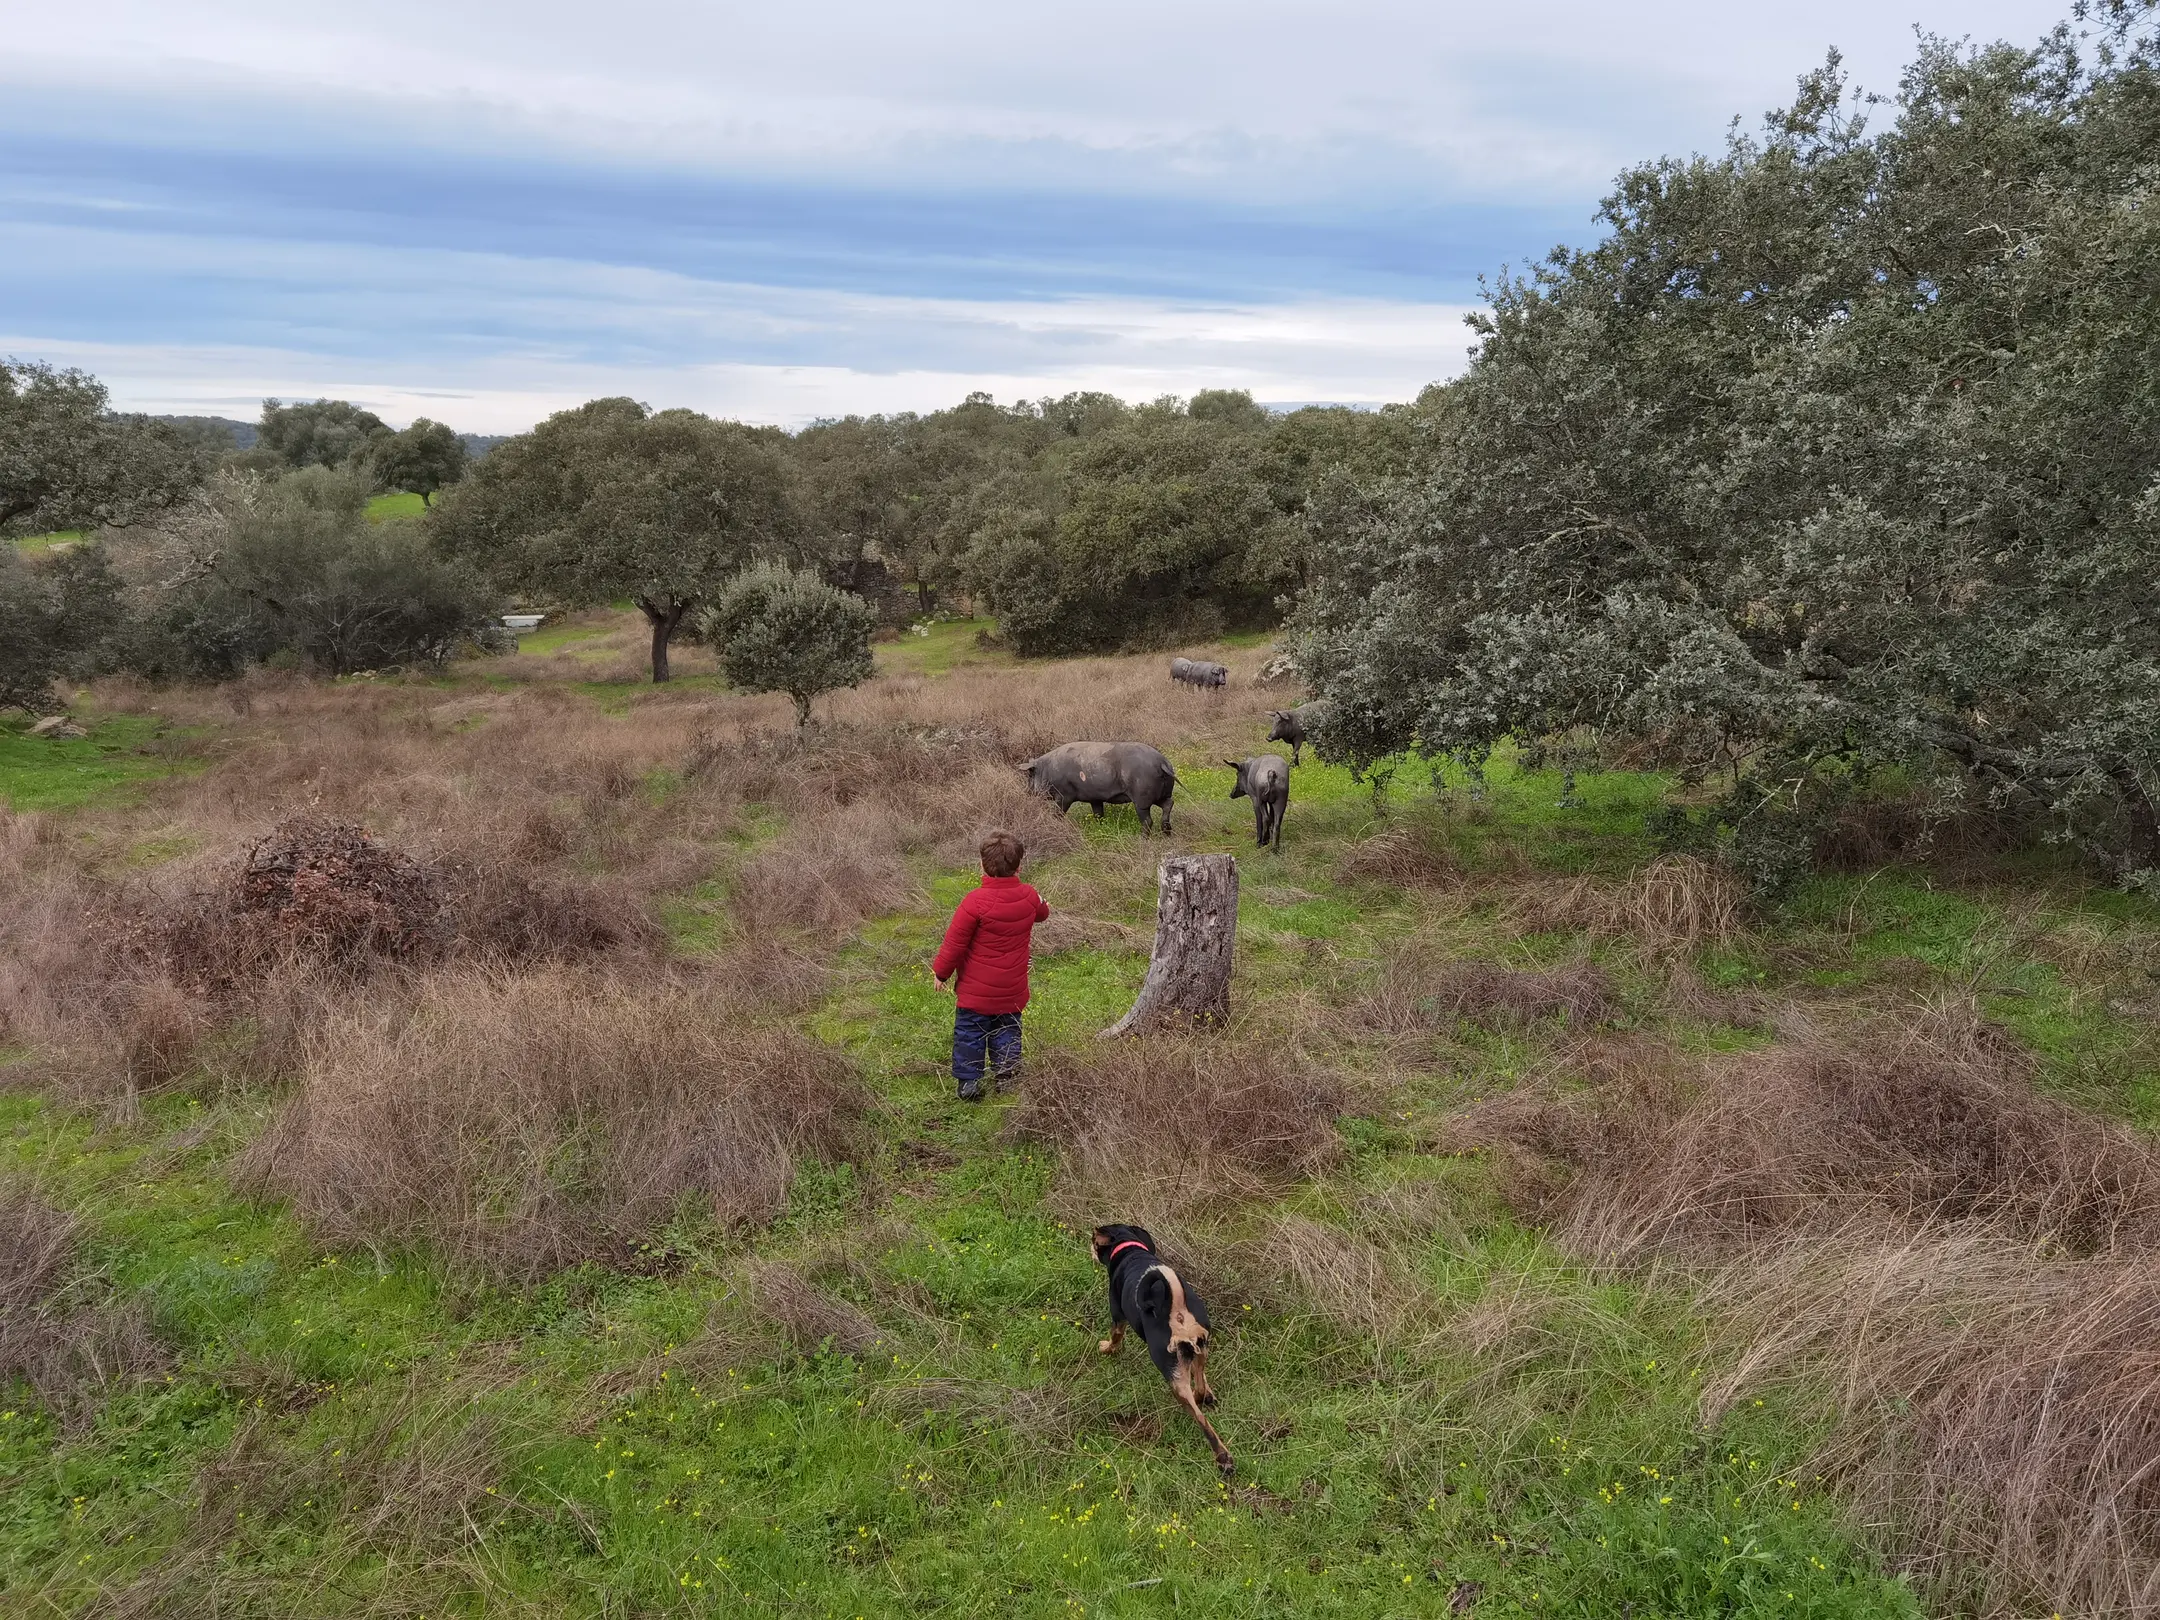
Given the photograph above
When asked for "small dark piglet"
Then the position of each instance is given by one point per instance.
(1148, 1295)
(1294, 726)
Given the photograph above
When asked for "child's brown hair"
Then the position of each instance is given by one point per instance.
(1001, 853)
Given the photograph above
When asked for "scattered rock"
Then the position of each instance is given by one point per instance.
(57, 725)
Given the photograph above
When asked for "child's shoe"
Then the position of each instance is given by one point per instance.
(971, 1091)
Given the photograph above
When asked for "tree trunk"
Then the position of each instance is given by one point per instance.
(2143, 812)
(663, 620)
(1188, 978)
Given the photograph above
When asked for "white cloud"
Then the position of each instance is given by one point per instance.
(1355, 96)
(483, 213)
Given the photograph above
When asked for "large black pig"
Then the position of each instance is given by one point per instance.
(1100, 773)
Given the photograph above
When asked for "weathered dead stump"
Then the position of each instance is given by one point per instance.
(1188, 978)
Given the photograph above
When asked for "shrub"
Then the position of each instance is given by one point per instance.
(304, 572)
(780, 630)
(57, 617)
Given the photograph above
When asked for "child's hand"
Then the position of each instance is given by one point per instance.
(934, 979)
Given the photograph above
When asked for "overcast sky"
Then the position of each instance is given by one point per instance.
(483, 213)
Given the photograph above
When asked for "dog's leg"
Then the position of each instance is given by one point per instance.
(1109, 1346)
(1181, 1386)
(1203, 1391)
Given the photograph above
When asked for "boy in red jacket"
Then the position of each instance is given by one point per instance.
(986, 945)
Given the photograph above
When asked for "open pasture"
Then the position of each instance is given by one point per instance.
(620, 1247)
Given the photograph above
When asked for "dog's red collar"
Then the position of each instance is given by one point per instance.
(1129, 1243)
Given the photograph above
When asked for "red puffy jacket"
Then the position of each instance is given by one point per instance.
(987, 941)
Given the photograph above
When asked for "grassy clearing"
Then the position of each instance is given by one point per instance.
(399, 504)
(34, 544)
(121, 752)
(884, 1398)
(938, 646)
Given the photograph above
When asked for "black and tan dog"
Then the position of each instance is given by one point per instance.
(1148, 1295)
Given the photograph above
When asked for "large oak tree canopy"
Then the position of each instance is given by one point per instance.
(1840, 451)
(68, 461)
(613, 500)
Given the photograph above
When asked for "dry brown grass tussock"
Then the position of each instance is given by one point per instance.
(1417, 993)
(1971, 1269)
(62, 1330)
(406, 1478)
(1361, 1287)
(808, 1318)
(1038, 706)
(1407, 855)
(1677, 903)
(1905, 1124)
(522, 1121)
(1200, 1119)
(1065, 932)
(863, 800)
(1999, 1410)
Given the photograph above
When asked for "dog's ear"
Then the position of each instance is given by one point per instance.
(1100, 1242)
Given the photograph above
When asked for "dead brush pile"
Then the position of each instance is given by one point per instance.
(327, 893)
(520, 1122)
(1971, 1269)
(1198, 1120)
(314, 888)
(62, 1330)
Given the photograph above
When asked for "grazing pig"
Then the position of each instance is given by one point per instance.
(1265, 779)
(1199, 672)
(1293, 726)
(1100, 773)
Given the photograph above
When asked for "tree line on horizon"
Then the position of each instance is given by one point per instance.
(1834, 463)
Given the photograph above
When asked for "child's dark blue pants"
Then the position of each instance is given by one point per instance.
(977, 1036)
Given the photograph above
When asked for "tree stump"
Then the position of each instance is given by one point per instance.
(1188, 978)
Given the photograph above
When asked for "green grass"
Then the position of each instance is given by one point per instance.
(31, 545)
(54, 773)
(941, 646)
(400, 504)
(563, 634)
(825, 1485)
(994, 1464)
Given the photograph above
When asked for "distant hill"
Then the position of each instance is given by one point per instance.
(241, 435)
